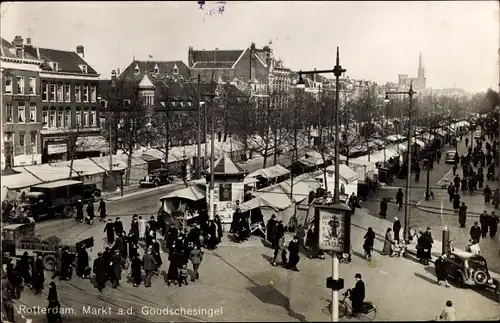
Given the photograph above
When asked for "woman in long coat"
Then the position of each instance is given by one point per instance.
(388, 242)
(369, 242)
(110, 231)
(173, 268)
(132, 244)
(156, 253)
(82, 262)
(136, 269)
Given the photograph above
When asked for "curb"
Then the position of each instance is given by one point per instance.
(143, 191)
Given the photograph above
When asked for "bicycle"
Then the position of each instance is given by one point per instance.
(369, 311)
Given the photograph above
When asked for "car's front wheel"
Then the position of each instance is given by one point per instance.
(480, 277)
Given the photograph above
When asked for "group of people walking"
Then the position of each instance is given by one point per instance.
(275, 235)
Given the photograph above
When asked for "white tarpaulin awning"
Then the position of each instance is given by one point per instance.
(193, 193)
(270, 172)
(19, 181)
(346, 173)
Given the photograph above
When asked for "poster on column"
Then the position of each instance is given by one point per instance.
(225, 196)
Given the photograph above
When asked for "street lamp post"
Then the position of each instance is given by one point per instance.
(410, 93)
(337, 71)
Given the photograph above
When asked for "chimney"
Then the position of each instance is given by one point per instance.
(117, 72)
(113, 75)
(190, 56)
(252, 47)
(80, 51)
(28, 41)
(18, 41)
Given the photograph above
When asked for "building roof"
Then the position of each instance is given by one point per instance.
(68, 61)
(216, 55)
(155, 70)
(58, 183)
(225, 166)
(9, 50)
(213, 65)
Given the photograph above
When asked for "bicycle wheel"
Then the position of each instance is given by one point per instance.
(371, 314)
(342, 309)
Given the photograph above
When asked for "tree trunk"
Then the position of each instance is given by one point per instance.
(129, 164)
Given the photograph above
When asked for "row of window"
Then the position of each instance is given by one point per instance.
(20, 85)
(59, 118)
(19, 143)
(58, 92)
(21, 115)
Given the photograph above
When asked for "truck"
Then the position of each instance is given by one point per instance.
(53, 199)
(20, 238)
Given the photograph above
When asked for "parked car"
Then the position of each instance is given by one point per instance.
(449, 156)
(467, 269)
(156, 178)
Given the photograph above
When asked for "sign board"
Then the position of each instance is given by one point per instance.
(21, 98)
(334, 229)
(57, 149)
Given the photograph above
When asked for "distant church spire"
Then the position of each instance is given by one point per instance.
(420, 63)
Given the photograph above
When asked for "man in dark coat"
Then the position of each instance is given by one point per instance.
(82, 262)
(24, 266)
(118, 225)
(451, 191)
(396, 227)
(383, 208)
(90, 212)
(462, 215)
(269, 231)
(212, 236)
(218, 226)
(110, 231)
(14, 278)
(399, 199)
(102, 210)
(487, 195)
(155, 247)
(38, 276)
(120, 245)
(358, 295)
(100, 271)
(133, 244)
(136, 270)
(456, 182)
(153, 225)
(79, 211)
(441, 268)
(484, 220)
(496, 198)
(417, 173)
(107, 260)
(149, 267)
(134, 226)
(161, 225)
(53, 308)
(494, 220)
(294, 258)
(172, 237)
(194, 235)
(116, 268)
(66, 262)
(475, 232)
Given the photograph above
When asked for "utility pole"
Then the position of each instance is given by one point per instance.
(198, 162)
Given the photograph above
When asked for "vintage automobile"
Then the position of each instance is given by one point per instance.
(467, 269)
(53, 199)
(156, 178)
(449, 156)
(20, 238)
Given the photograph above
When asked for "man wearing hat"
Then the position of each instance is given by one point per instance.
(79, 211)
(358, 295)
(269, 231)
(100, 270)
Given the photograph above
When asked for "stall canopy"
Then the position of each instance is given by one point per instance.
(46, 172)
(19, 181)
(273, 201)
(378, 156)
(346, 174)
(103, 162)
(193, 193)
(394, 138)
(81, 167)
(270, 172)
(313, 158)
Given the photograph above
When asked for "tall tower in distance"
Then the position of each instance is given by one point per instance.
(421, 75)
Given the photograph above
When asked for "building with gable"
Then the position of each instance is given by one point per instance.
(69, 107)
(257, 66)
(21, 113)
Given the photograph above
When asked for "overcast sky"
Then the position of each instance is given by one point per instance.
(459, 41)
